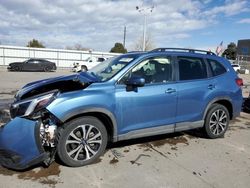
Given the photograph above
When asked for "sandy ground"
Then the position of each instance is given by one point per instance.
(184, 159)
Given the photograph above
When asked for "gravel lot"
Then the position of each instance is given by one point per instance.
(174, 160)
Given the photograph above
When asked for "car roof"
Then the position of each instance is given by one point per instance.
(39, 59)
(175, 51)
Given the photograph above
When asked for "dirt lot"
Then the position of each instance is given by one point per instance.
(175, 160)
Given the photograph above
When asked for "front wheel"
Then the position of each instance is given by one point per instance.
(82, 141)
(217, 121)
(47, 69)
(16, 68)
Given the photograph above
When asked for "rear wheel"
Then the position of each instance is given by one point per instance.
(217, 121)
(82, 141)
(84, 68)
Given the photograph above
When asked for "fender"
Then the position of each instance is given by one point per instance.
(79, 111)
(214, 101)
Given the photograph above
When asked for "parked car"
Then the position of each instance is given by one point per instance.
(236, 67)
(33, 64)
(87, 64)
(246, 105)
(76, 116)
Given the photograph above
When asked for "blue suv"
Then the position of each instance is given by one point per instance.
(130, 96)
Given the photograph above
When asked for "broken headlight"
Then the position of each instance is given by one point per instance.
(29, 106)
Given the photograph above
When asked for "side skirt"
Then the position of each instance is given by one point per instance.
(188, 125)
(160, 130)
(147, 132)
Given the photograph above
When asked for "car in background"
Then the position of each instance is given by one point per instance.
(33, 64)
(236, 67)
(246, 105)
(87, 64)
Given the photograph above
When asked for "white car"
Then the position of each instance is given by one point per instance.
(236, 67)
(87, 64)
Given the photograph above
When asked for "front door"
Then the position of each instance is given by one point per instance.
(154, 104)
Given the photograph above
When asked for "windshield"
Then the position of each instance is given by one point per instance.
(107, 69)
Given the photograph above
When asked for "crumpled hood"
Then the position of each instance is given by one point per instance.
(61, 83)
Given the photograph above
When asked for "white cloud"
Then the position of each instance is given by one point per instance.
(98, 24)
(246, 20)
(231, 7)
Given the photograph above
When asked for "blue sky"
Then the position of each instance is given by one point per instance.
(98, 24)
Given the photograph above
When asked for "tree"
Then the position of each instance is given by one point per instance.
(231, 51)
(78, 47)
(149, 44)
(35, 44)
(118, 48)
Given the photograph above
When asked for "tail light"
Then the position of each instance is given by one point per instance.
(239, 82)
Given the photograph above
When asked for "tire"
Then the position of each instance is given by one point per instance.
(47, 69)
(74, 150)
(16, 68)
(84, 68)
(217, 121)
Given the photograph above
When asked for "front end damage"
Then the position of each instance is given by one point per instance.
(20, 146)
(30, 140)
(31, 136)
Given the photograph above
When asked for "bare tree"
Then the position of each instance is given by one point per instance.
(77, 47)
(149, 44)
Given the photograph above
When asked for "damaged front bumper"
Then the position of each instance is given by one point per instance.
(20, 144)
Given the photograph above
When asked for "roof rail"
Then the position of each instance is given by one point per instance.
(182, 49)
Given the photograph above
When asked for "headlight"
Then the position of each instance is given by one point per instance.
(27, 107)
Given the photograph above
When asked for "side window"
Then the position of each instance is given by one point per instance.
(100, 59)
(217, 68)
(191, 68)
(36, 62)
(30, 61)
(153, 70)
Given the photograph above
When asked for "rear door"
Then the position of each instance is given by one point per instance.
(193, 87)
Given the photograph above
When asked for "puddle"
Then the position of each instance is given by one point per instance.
(170, 141)
(137, 159)
(47, 176)
(113, 161)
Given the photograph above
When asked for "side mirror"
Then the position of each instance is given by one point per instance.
(136, 81)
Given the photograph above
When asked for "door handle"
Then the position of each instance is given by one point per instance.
(170, 90)
(211, 86)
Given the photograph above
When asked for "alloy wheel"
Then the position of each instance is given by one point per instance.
(218, 122)
(84, 142)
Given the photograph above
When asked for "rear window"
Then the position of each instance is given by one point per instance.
(216, 67)
(191, 68)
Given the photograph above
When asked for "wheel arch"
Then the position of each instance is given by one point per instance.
(106, 117)
(225, 101)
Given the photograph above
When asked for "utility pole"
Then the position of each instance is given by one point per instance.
(124, 36)
(145, 11)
